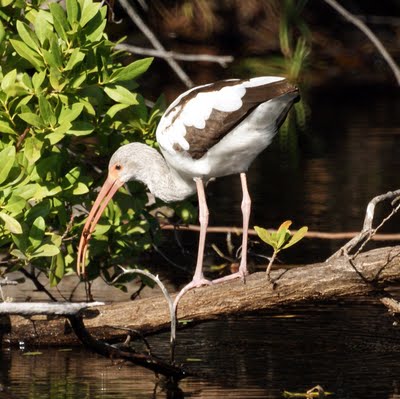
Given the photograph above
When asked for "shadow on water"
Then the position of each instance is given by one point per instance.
(350, 348)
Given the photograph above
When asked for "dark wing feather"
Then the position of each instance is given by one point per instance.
(220, 123)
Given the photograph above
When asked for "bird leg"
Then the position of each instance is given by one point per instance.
(246, 207)
(198, 277)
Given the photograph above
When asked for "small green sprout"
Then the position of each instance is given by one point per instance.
(280, 239)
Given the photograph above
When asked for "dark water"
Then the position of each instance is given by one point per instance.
(324, 178)
(348, 154)
(349, 348)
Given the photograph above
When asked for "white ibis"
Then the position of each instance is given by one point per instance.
(209, 131)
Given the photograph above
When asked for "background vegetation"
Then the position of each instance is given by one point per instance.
(66, 100)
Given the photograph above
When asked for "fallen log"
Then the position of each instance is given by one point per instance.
(73, 312)
(369, 272)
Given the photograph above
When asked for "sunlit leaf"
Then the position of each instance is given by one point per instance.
(60, 20)
(57, 269)
(121, 95)
(32, 119)
(27, 36)
(264, 234)
(6, 127)
(81, 128)
(2, 32)
(43, 28)
(45, 250)
(72, 11)
(297, 236)
(32, 149)
(11, 224)
(36, 232)
(7, 158)
(132, 70)
(75, 58)
(27, 53)
(8, 79)
(88, 11)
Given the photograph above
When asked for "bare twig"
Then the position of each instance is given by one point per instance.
(222, 60)
(167, 297)
(368, 231)
(310, 234)
(134, 16)
(45, 308)
(371, 36)
(39, 286)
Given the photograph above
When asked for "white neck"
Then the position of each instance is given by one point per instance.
(149, 167)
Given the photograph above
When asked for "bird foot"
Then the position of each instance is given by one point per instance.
(240, 274)
(195, 283)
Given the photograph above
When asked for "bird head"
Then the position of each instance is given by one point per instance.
(120, 171)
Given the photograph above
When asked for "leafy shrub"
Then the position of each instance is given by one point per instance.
(66, 101)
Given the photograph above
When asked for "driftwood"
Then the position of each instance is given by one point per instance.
(369, 273)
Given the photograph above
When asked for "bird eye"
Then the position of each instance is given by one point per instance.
(118, 166)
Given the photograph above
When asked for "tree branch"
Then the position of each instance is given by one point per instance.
(222, 60)
(134, 16)
(310, 234)
(371, 36)
(368, 231)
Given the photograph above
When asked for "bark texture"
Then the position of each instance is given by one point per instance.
(369, 272)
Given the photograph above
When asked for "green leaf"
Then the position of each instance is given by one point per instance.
(11, 224)
(81, 128)
(36, 232)
(282, 235)
(18, 254)
(32, 149)
(9, 79)
(297, 236)
(121, 95)
(60, 20)
(32, 119)
(89, 10)
(46, 111)
(57, 269)
(43, 28)
(264, 235)
(72, 11)
(75, 58)
(27, 36)
(45, 250)
(70, 114)
(2, 32)
(80, 189)
(7, 158)
(112, 111)
(27, 53)
(15, 205)
(38, 79)
(6, 127)
(98, 33)
(132, 70)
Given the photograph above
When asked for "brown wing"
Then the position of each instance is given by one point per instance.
(220, 123)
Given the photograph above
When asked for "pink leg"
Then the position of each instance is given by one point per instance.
(198, 277)
(203, 219)
(246, 207)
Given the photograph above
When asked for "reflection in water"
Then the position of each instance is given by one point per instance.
(350, 348)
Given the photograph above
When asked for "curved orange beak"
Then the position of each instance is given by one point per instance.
(110, 187)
